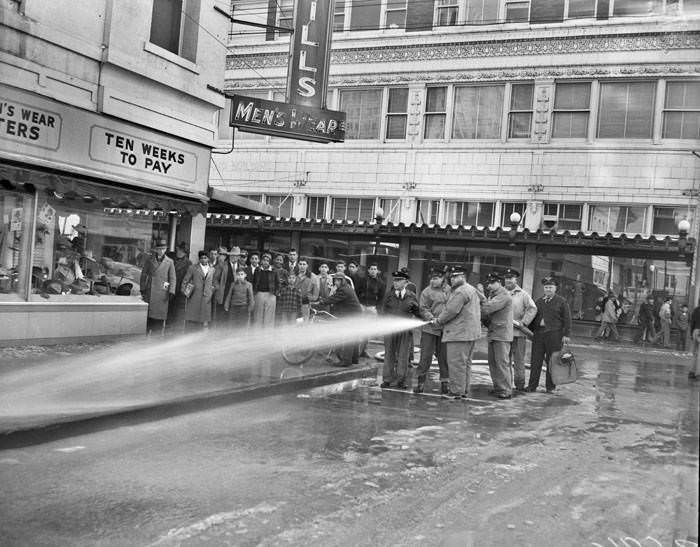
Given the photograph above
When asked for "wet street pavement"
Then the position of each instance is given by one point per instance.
(611, 460)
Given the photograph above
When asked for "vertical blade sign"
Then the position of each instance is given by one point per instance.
(310, 53)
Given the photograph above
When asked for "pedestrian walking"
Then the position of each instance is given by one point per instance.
(158, 282)
(497, 310)
(399, 302)
(609, 317)
(524, 311)
(431, 304)
(265, 288)
(665, 320)
(343, 304)
(683, 324)
(201, 275)
(461, 328)
(552, 329)
(240, 301)
(694, 373)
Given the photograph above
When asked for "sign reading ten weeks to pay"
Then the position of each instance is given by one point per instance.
(287, 120)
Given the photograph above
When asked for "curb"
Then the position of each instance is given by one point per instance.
(70, 426)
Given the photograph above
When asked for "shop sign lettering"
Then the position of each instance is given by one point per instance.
(132, 152)
(29, 125)
(287, 120)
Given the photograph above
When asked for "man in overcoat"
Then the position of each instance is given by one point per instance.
(201, 275)
(461, 328)
(431, 302)
(498, 313)
(552, 328)
(158, 284)
(399, 302)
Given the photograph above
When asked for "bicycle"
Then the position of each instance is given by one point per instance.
(301, 356)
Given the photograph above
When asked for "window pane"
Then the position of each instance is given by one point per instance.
(572, 96)
(570, 125)
(17, 210)
(478, 112)
(447, 16)
(436, 99)
(637, 7)
(485, 217)
(482, 11)
(520, 125)
(339, 15)
(666, 219)
(396, 19)
(363, 113)
(581, 8)
(521, 97)
(683, 95)
(165, 24)
(508, 209)
(396, 127)
(434, 126)
(282, 205)
(365, 15)
(517, 12)
(681, 125)
(315, 207)
(626, 110)
(398, 100)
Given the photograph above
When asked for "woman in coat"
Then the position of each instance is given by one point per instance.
(201, 275)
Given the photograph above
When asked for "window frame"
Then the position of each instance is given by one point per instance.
(463, 205)
(666, 110)
(280, 202)
(679, 212)
(320, 203)
(519, 111)
(510, 207)
(610, 207)
(380, 109)
(387, 10)
(651, 107)
(499, 118)
(187, 33)
(389, 115)
(436, 113)
(362, 216)
(571, 111)
(449, 5)
(508, 3)
(433, 206)
(560, 209)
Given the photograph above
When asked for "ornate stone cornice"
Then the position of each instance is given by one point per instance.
(484, 49)
(525, 73)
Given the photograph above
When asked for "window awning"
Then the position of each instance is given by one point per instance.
(225, 202)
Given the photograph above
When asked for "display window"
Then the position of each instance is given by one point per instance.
(16, 210)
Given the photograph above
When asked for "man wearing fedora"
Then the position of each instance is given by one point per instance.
(158, 283)
(552, 328)
(461, 328)
(497, 309)
(399, 302)
(524, 311)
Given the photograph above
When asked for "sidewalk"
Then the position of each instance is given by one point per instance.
(160, 397)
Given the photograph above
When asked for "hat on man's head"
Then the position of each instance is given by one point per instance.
(510, 272)
(160, 243)
(400, 274)
(550, 280)
(235, 251)
(437, 272)
(338, 275)
(182, 246)
(458, 270)
(493, 277)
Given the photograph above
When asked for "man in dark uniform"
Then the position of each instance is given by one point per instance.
(552, 328)
(399, 302)
(344, 303)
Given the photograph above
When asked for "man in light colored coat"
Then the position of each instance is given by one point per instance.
(461, 328)
(524, 311)
(498, 312)
(158, 283)
(431, 303)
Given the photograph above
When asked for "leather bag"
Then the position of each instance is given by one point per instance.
(563, 367)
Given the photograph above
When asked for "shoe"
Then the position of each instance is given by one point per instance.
(529, 389)
(385, 384)
(504, 396)
(520, 389)
(551, 390)
(420, 388)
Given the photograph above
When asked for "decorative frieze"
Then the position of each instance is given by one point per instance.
(483, 49)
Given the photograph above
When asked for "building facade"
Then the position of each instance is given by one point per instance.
(107, 120)
(581, 116)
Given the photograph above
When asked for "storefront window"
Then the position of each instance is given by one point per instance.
(617, 219)
(16, 208)
(81, 247)
(586, 279)
(363, 251)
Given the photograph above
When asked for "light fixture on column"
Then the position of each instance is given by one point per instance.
(683, 229)
(514, 223)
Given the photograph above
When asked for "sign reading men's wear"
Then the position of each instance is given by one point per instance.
(309, 55)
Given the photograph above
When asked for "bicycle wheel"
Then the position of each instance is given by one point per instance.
(297, 356)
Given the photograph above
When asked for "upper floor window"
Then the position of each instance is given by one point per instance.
(395, 14)
(682, 111)
(482, 11)
(175, 26)
(391, 208)
(626, 110)
(365, 14)
(571, 110)
(446, 12)
(428, 211)
(282, 205)
(508, 209)
(469, 213)
(581, 8)
(666, 219)
(397, 113)
(563, 216)
(362, 108)
(637, 7)
(353, 209)
(520, 116)
(285, 14)
(617, 219)
(435, 113)
(315, 207)
(517, 11)
(477, 112)
(339, 15)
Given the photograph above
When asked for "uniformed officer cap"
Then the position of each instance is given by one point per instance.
(458, 270)
(494, 276)
(511, 272)
(550, 280)
(400, 274)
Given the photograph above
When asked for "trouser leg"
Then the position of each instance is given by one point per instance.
(259, 310)
(405, 351)
(269, 308)
(517, 355)
(499, 366)
(389, 367)
(459, 355)
(613, 330)
(536, 360)
(428, 346)
(442, 361)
